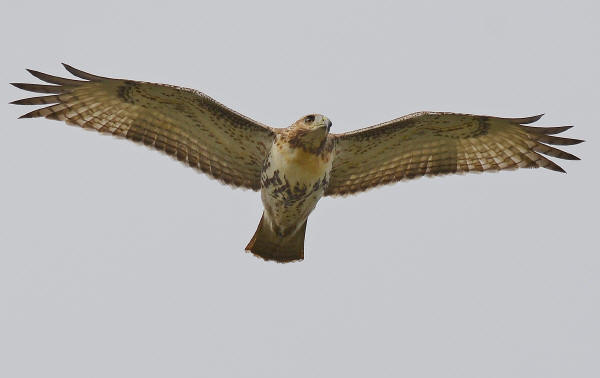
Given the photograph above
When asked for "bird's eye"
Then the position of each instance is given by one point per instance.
(309, 119)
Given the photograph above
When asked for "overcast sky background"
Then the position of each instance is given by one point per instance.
(117, 261)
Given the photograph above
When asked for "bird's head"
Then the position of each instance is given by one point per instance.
(314, 122)
(310, 132)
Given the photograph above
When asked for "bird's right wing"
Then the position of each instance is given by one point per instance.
(184, 123)
(428, 143)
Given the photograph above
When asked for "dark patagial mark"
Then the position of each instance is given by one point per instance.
(483, 128)
(124, 91)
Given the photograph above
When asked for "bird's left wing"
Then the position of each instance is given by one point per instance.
(184, 123)
(428, 143)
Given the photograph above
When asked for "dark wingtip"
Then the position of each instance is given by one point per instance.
(68, 67)
(557, 168)
(532, 119)
(82, 74)
(560, 129)
(546, 130)
(549, 139)
(24, 101)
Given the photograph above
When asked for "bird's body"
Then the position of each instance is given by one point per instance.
(293, 167)
(294, 177)
(293, 181)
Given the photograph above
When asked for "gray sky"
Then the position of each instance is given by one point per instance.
(117, 261)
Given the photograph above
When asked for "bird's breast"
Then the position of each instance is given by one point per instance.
(293, 180)
(300, 165)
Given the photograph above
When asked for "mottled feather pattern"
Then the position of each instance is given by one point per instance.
(294, 167)
(184, 123)
(428, 144)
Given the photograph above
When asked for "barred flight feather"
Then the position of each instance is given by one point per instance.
(181, 122)
(428, 144)
(296, 166)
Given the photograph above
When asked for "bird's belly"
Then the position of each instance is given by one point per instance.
(291, 187)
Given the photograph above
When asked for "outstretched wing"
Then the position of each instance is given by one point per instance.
(184, 123)
(430, 144)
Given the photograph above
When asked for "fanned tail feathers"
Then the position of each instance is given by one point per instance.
(269, 246)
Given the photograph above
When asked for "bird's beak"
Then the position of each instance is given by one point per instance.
(328, 124)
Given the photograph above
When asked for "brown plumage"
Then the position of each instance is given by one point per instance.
(292, 167)
(270, 246)
(182, 122)
(429, 144)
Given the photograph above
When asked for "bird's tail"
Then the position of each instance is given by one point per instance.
(267, 244)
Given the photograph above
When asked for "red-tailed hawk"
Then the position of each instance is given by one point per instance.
(292, 167)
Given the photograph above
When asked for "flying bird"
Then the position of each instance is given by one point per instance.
(292, 167)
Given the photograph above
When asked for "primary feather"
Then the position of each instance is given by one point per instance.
(296, 166)
(182, 122)
(429, 143)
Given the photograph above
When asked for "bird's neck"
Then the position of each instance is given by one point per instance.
(309, 140)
